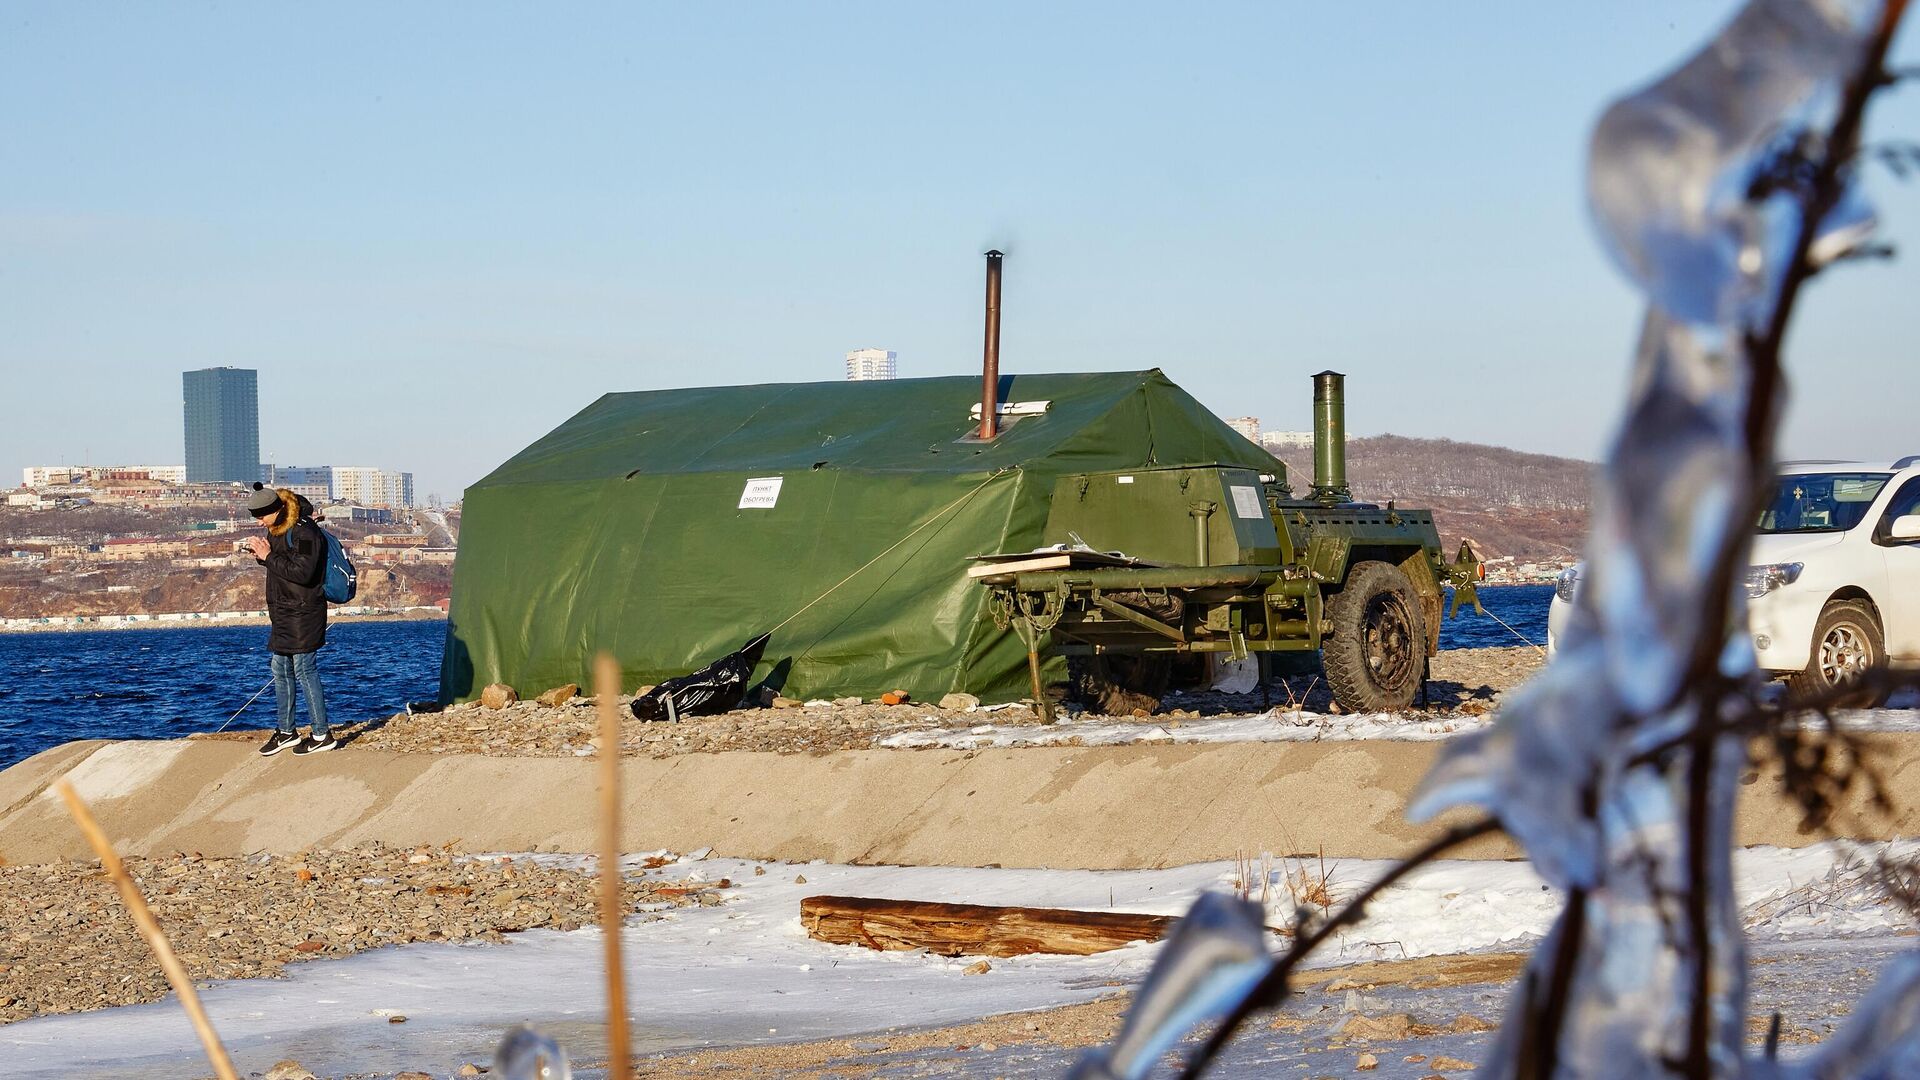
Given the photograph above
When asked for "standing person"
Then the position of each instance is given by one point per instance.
(295, 555)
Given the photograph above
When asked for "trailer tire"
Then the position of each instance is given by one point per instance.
(1375, 651)
(1117, 684)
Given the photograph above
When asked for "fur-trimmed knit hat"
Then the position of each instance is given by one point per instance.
(263, 501)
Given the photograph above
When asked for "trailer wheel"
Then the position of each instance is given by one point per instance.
(1116, 684)
(1375, 650)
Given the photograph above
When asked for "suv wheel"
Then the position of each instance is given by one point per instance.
(1375, 652)
(1846, 646)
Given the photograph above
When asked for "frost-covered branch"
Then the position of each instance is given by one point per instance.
(1720, 190)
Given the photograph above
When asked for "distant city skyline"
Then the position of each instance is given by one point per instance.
(221, 426)
(365, 485)
(362, 484)
(51, 475)
(436, 257)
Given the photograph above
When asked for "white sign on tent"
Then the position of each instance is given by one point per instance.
(760, 493)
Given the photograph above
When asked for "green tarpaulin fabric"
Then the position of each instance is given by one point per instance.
(669, 527)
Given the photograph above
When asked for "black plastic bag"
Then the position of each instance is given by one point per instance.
(715, 688)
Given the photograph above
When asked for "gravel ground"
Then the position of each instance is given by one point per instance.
(67, 944)
(1466, 681)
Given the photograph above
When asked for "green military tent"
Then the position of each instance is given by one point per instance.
(670, 526)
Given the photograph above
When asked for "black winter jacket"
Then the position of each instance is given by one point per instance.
(296, 566)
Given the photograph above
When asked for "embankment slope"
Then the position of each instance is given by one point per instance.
(1134, 806)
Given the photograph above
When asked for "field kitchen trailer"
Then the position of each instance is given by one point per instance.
(1139, 566)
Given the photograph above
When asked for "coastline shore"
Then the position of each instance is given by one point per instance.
(188, 619)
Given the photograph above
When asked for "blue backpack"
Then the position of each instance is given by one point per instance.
(340, 581)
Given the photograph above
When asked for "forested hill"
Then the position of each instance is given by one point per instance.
(1530, 506)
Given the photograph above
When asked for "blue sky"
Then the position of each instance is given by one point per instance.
(439, 230)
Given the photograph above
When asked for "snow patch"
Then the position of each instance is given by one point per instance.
(1274, 725)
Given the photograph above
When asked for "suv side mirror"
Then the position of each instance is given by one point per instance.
(1905, 527)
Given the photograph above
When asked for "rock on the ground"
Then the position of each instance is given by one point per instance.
(559, 695)
(1378, 1028)
(959, 702)
(498, 696)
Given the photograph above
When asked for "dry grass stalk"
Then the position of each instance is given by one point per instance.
(1245, 870)
(156, 938)
(1295, 704)
(1310, 882)
(607, 699)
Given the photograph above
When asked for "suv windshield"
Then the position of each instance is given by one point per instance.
(1820, 502)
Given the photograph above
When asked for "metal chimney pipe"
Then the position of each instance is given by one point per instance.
(1330, 438)
(990, 362)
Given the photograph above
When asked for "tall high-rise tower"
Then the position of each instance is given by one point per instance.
(865, 364)
(223, 425)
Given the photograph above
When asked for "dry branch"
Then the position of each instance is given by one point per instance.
(607, 694)
(149, 929)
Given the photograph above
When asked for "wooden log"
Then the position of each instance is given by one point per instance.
(973, 929)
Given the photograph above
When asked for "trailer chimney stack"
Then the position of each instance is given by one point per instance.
(990, 365)
(1330, 439)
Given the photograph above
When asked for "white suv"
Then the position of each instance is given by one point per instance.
(1835, 585)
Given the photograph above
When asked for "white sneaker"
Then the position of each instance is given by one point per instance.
(311, 745)
(279, 741)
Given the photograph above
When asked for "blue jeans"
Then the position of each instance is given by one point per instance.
(301, 667)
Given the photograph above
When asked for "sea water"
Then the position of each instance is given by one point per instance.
(57, 686)
(165, 683)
